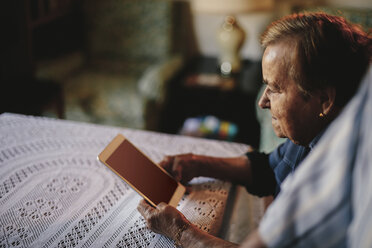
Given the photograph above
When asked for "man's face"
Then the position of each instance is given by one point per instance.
(293, 116)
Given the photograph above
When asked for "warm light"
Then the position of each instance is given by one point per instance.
(230, 37)
(230, 6)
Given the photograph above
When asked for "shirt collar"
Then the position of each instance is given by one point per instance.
(316, 139)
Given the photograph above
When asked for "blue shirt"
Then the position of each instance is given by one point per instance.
(270, 170)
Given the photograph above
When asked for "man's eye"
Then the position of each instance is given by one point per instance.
(274, 89)
(270, 90)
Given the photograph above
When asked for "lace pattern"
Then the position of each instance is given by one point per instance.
(54, 192)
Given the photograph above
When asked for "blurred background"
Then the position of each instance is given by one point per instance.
(145, 64)
(190, 67)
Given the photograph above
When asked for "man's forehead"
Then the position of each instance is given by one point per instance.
(283, 48)
(270, 54)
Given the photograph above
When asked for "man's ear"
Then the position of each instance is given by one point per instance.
(327, 100)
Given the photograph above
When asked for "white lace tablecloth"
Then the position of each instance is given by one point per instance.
(54, 192)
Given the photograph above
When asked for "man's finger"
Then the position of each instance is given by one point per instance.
(167, 163)
(161, 205)
(176, 169)
(144, 208)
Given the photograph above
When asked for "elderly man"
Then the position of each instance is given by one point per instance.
(312, 66)
(328, 201)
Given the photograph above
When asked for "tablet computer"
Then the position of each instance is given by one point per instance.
(149, 179)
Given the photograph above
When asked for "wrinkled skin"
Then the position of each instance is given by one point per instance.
(168, 221)
(164, 219)
(293, 115)
(182, 167)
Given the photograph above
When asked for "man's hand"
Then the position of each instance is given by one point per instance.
(164, 219)
(183, 167)
(168, 221)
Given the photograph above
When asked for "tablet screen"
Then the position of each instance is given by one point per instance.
(142, 173)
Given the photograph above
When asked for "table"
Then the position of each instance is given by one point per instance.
(54, 192)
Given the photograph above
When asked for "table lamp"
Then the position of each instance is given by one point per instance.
(230, 36)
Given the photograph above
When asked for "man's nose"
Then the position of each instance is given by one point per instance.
(264, 101)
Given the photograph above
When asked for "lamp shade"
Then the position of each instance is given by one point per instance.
(230, 6)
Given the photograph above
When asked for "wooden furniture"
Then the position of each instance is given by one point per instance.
(234, 102)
